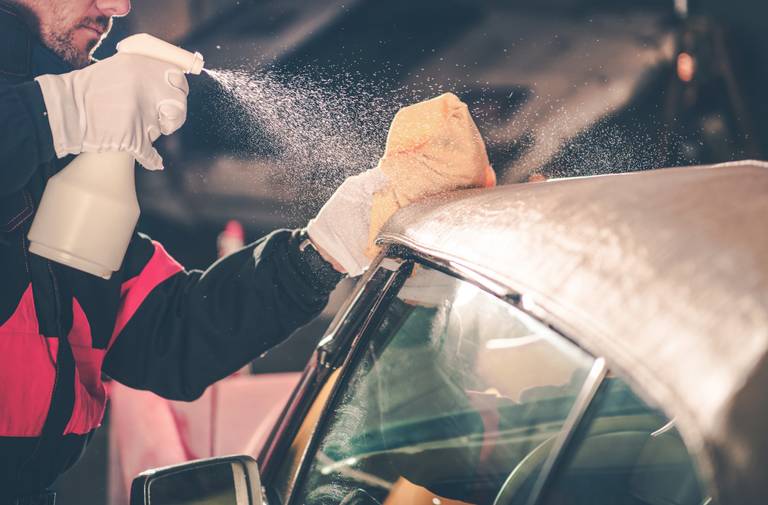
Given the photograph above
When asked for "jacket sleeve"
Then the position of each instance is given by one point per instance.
(177, 332)
(25, 137)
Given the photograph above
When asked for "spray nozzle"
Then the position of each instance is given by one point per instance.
(152, 47)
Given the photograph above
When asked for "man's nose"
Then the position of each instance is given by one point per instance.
(114, 7)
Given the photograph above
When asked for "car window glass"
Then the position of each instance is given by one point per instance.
(454, 389)
(626, 453)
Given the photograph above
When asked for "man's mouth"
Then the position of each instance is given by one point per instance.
(97, 30)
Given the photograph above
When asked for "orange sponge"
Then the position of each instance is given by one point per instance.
(432, 147)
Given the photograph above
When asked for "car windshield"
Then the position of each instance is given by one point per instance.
(453, 389)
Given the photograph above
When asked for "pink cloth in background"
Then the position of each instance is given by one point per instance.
(234, 416)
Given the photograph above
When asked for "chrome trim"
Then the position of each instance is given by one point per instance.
(472, 273)
(664, 429)
(391, 263)
(479, 279)
(591, 385)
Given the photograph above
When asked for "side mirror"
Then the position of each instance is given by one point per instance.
(230, 480)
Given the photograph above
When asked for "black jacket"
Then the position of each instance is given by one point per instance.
(152, 326)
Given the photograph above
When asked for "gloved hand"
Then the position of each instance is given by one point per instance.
(340, 230)
(432, 147)
(122, 103)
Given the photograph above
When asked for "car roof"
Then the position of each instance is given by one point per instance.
(663, 272)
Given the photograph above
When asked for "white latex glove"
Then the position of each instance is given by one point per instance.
(122, 103)
(341, 227)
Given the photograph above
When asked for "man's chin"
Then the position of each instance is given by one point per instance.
(67, 48)
(86, 45)
(79, 59)
(72, 56)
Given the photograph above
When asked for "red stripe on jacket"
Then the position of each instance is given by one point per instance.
(90, 394)
(133, 292)
(27, 359)
(27, 371)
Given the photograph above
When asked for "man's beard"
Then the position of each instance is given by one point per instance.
(63, 43)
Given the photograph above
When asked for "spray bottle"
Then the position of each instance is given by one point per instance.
(89, 210)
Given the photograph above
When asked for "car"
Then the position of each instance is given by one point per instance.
(595, 340)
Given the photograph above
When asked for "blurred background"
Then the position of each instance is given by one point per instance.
(557, 87)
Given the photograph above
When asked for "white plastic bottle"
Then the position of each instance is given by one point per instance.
(89, 210)
(88, 213)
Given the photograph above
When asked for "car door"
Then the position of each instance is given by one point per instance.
(452, 394)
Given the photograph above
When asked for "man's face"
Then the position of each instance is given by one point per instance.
(74, 28)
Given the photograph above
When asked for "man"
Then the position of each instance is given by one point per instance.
(153, 325)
